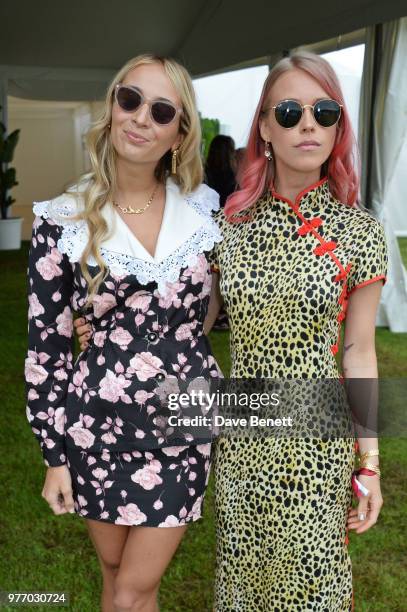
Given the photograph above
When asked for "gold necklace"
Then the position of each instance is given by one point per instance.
(130, 210)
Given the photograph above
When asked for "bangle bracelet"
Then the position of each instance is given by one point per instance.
(370, 453)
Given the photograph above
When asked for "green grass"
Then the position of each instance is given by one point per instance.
(44, 552)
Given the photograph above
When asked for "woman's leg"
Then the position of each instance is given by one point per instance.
(108, 540)
(146, 555)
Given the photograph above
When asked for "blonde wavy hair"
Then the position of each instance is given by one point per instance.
(98, 186)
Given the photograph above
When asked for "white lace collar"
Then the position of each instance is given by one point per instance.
(187, 229)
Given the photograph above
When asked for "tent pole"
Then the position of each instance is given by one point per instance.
(377, 53)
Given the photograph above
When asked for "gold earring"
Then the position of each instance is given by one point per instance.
(174, 162)
(267, 152)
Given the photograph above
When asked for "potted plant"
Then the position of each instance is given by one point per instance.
(10, 227)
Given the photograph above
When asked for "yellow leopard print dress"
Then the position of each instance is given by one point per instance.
(281, 503)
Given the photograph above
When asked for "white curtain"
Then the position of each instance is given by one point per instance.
(382, 134)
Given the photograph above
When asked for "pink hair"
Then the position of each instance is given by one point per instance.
(258, 172)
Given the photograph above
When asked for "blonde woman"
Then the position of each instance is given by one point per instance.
(127, 249)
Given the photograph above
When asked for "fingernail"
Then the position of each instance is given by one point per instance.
(361, 517)
(72, 511)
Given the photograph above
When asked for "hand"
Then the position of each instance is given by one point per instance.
(366, 514)
(57, 490)
(83, 331)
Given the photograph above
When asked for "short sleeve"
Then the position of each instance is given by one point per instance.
(50, 339)
(370, 259)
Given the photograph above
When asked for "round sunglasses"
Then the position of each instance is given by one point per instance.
(288, 113)
(130, 98)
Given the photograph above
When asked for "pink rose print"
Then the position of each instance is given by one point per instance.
(141, 396)
(82, 501)
(112, 427)
(77, 385)
(182, 368)
(34, 372)
(184, 331)
(198, 271)
(196, 509)
(188, 300)
(64, 323)
(121, 337)
(140, 300)
(171, 521)
(100, 473)
(82, 437)
(130, 515)
(35, 308)
(54, 417)
(32, 394)
(102, 303)
(109, 438)
(183, 512)
(155, 465)
(48, 266)
(101, 484)
(170, 299)
(146, 365)
(105, 455)
(139, 319)
(112, 388)
(80, 433)
(61, 374)
(99, 338)
(147, 478)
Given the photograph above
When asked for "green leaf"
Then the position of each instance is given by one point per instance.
(9, 178)
(9, 145)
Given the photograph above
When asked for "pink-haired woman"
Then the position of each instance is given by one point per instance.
(295, 248)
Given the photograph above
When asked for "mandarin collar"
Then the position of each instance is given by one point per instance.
(319, 192)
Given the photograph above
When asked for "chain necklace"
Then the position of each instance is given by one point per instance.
(130, 210)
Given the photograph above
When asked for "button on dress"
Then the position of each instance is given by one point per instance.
(99, 414)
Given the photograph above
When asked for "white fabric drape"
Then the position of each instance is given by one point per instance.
(385, 83)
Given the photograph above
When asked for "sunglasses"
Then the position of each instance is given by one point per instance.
(130, 99)
(288, 113)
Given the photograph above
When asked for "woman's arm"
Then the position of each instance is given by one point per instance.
(215, 304)
(50, 340)
(359, 362)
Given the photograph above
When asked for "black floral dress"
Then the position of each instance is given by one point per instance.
(100, 415)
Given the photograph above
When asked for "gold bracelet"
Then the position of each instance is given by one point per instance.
(370, 453)
(371, 467)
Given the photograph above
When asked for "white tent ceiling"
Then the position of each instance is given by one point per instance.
(69, 50)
